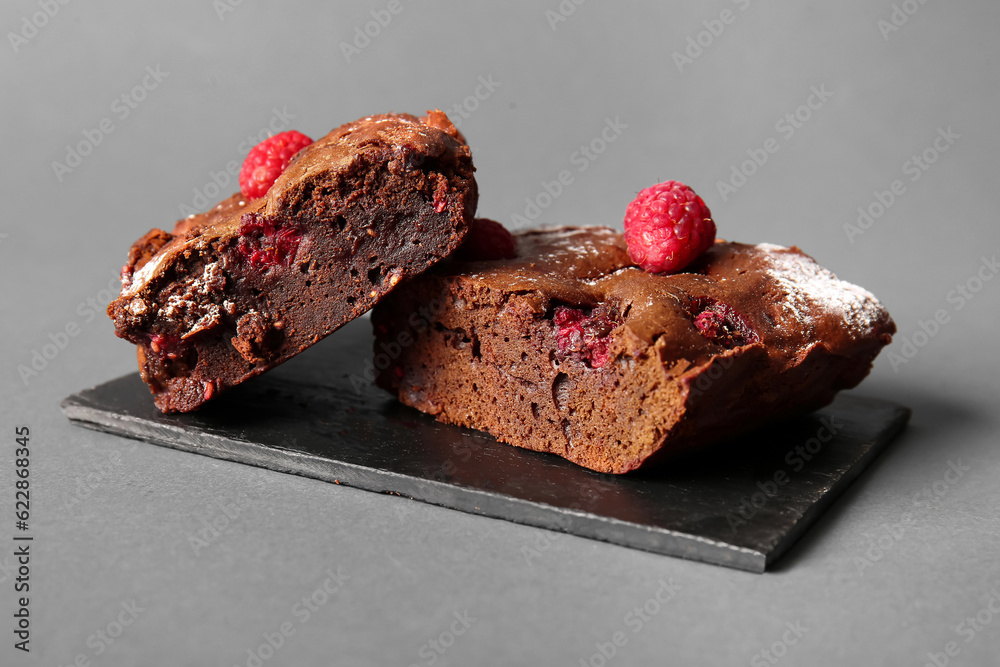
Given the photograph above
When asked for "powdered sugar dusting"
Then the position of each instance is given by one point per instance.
(811, 290)
(194, 301)
(143, 275)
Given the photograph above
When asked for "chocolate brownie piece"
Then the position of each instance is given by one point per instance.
(569, 348)
(235, 291)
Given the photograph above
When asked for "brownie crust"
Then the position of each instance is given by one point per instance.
(231, 293)
(569, 348)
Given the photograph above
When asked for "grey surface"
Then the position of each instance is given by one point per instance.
(743, 504)
(410, 566)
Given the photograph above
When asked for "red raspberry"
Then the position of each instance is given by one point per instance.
(487, 239)
(265, 162)
(667, 226)
(719, 323)
(164, 344)
(267, 241)
(710, 324)
(585, 337)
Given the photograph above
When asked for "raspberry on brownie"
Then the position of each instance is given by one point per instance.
(267, 160)
(569, 348)
(667, 226)
(232, 292)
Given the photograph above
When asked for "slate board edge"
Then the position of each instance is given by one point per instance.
(473, 501)
(857, 468)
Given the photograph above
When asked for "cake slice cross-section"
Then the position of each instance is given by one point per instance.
(569, 348)
(231, 293)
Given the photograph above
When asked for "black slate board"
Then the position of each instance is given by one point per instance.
(313, 417)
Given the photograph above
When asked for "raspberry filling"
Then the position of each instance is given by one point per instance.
(441, 196)
(719, 323)
(266, 242)
(585, 337)
(165, 344)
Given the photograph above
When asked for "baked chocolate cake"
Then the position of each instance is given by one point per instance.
(233, 292)
(569, 348)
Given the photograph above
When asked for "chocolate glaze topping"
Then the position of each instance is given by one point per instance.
(788, 300)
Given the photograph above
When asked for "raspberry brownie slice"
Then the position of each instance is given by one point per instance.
(567, 347)
(233, 292)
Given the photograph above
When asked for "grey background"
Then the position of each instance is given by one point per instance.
(113, 519)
